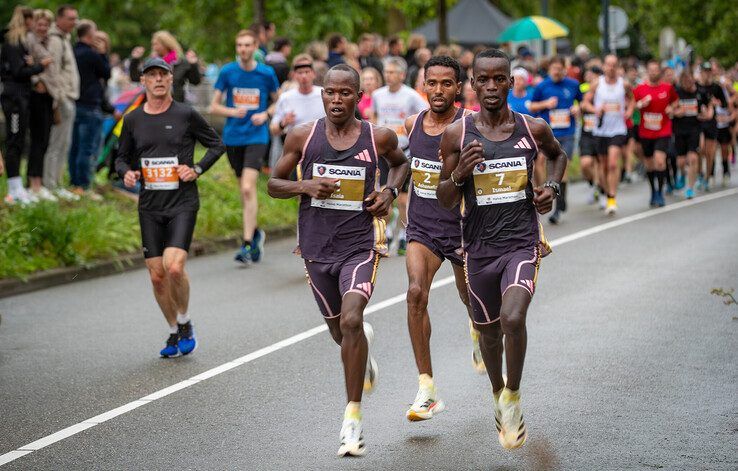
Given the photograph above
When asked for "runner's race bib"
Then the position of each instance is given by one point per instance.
(652, 121)
(590, 122)
(247, 98)
(350, 193)
(426, 176)
(500, 181)
(160, 173)
(611, 107)
(689, 106)
(722, 117)
(560, 119)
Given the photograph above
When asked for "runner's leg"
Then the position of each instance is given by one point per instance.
(249, 178)
(422, 265)
(160, 281)
(353, 344)
(174, 260)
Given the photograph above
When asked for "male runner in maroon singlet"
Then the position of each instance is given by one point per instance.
(433, 232)
(341, 233)
(488, 168)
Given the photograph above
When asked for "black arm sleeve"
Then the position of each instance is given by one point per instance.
(125, 150)
(19, 70)
(193, 74)
(207, 136)
(135, 70)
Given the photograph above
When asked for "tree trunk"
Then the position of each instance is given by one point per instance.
(442, 26)
(259, 11)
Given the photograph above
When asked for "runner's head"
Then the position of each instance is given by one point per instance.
(653, 70)
(491, 80)
(610, 66)
(302, 71)
(246, 44)
(556, 68)
(592, 75)
(157, 78)
(686, 81)
(341, 92)
(395, 69)
(669, 75)
(706, 73)
(442, 82)
(520, 79)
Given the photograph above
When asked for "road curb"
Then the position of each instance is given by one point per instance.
(120, 264)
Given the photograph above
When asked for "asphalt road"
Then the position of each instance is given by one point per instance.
(631, 362)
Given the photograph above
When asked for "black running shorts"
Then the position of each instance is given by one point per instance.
(652, 145)
(159, 231)
(250, 156)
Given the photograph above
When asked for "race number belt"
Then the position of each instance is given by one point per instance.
(652, 121)
(426, 176)
(160, 173)
(246, 98)
(590, 122)
(560, 119)
(689, 106)
(500, 181)
(350, 193)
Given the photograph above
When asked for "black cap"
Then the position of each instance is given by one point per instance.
(156, 62)
(706, 66)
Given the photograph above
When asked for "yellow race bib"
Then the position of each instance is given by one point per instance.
(426, 176)
(350, 193)
(500, 181)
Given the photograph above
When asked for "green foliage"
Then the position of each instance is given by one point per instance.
(51, 235)
(209, 26)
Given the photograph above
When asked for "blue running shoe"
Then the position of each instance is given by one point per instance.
(187, 343)
(652, 203)
(660, 202)
(243, 255)
(689, 194)
(257, 245)
(680, 182)
(171, 349)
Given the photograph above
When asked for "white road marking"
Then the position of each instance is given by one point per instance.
(99, 419)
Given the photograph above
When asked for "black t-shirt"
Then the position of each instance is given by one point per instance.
(693, 103)
(707, 93)
(154, 144)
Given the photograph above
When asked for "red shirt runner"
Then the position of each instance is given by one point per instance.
(654, 121)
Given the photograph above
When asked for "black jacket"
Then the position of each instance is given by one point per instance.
(14, 72)
(94, 70)
(183, 72)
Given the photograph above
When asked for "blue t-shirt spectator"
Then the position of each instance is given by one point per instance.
(566, 91)
(251, 90)
(520, 104)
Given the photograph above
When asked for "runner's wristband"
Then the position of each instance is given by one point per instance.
(458, 185)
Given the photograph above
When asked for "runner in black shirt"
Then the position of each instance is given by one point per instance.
(157, 144)
(692, 105)
(711, 92)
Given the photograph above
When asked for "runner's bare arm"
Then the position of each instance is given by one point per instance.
(280, 185)
(380, 202)
(457, 163)
(588, 100)
(555, 162)
(218, 108)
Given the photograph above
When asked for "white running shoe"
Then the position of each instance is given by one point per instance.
(371, 375)
(512, 427)
(426, 405)
(66, 195)
(43, 193)
(352, 439)
(20, 196)
(726, 181)
(477, 360)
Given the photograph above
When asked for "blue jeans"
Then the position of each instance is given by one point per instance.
(567, 144)
(85, 142)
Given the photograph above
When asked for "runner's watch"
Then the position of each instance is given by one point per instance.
(554, 186)
(197, 169)
(394, 191)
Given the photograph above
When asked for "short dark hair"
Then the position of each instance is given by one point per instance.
(491, 53)
(393, 40)
(63, 9)
(557, 60)
(346, 68)
(281, 42)
(84, 28)
(653, 61)
(334, 40)
(444, 61)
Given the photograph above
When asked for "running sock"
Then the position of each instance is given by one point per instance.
(425, 381)
(726, 167)
(661, 175)
(497, 394)
(246, 243)
(173, 329)
(183, 318)
(15, 185)
(651, 181)
(590, 182)
(511, 395)
(353, 411)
